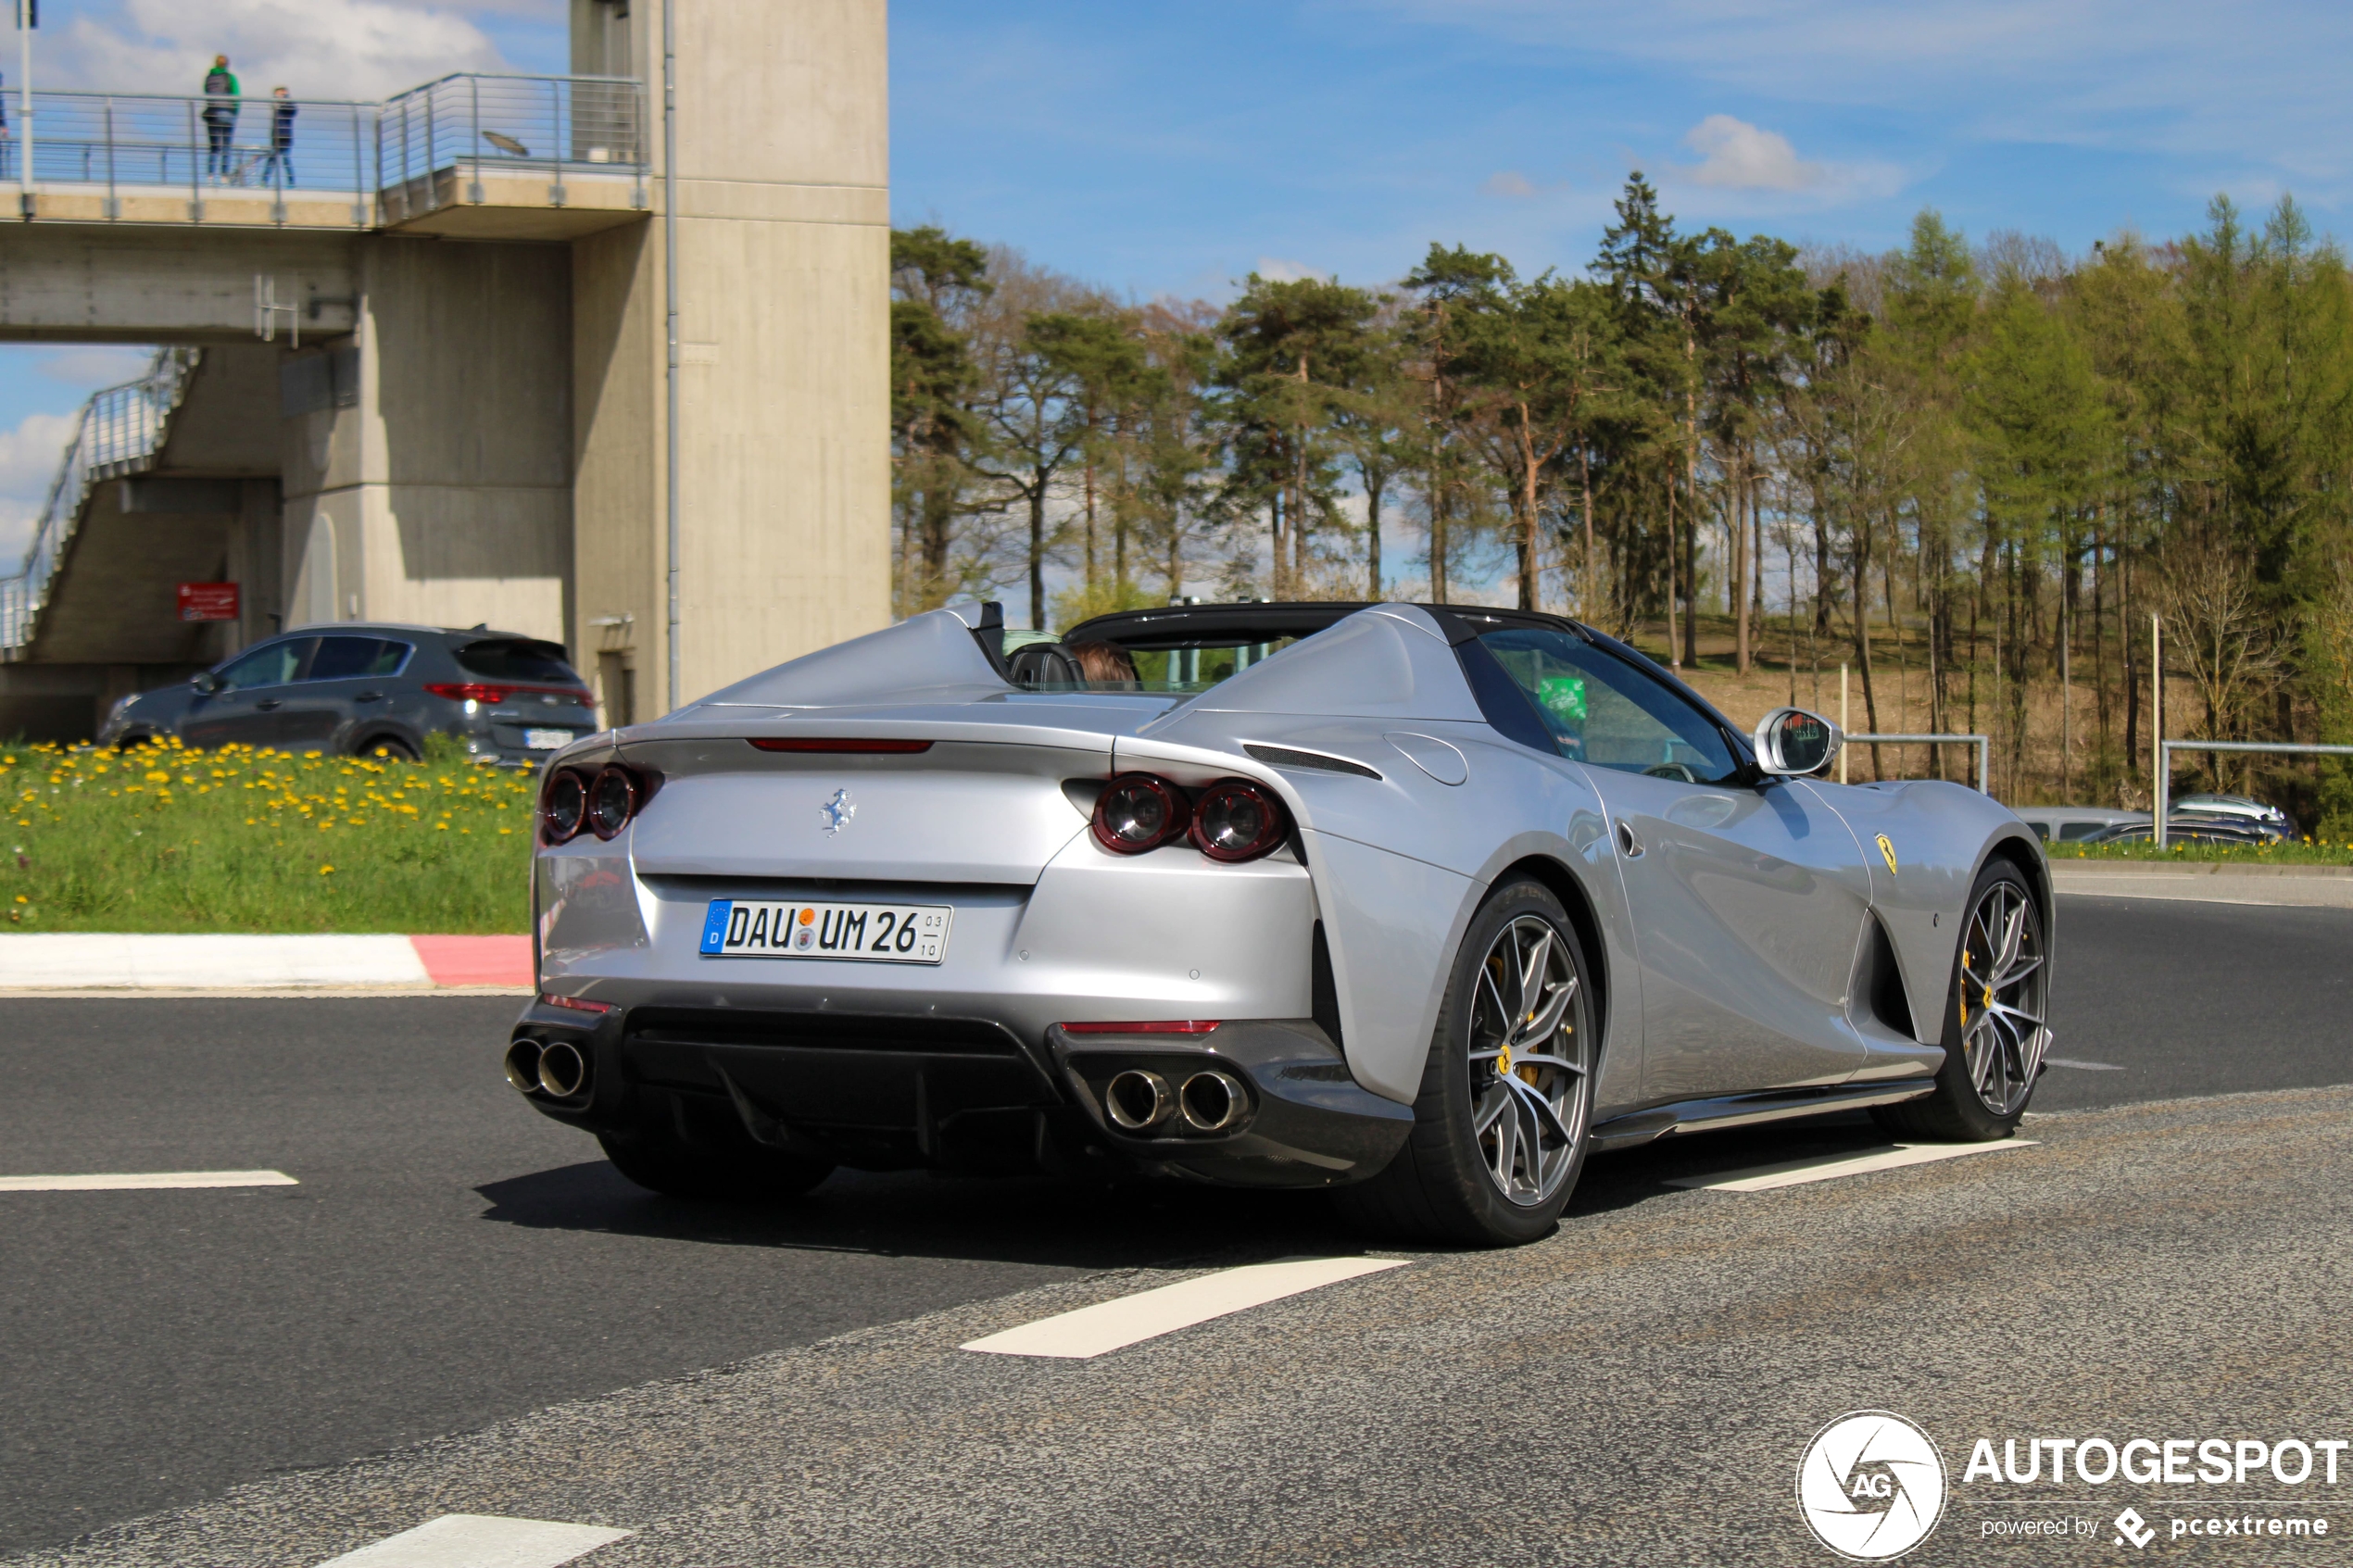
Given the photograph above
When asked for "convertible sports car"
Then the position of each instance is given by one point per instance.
(1423, 903)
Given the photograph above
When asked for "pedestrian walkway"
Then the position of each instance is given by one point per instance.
(77, 962)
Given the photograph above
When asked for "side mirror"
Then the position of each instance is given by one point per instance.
(1792, 741)
(206, 682)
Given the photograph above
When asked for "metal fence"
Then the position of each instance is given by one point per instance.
(1984, 743)
(119, 431)
(473, 124)
(141, 144)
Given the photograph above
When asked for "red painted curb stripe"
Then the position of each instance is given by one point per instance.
(475, 960)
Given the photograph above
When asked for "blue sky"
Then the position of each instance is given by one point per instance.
(1169, 149)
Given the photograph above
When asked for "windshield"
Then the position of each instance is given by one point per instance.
(518, 658)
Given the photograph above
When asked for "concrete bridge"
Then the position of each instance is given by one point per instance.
(419, 368)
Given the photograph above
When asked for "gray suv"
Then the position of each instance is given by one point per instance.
(354, 689)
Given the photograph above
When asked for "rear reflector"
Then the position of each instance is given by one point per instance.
(577, 1004)
(1160, 1027)
(477, 691)
(856, 747)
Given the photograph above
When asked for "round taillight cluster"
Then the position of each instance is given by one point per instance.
(601, 803)
(1233, 820)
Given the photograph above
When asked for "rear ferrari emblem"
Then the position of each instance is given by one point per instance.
(838, 810)
(1887, 853)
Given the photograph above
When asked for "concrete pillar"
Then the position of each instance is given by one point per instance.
(427, 461)
(784, 279)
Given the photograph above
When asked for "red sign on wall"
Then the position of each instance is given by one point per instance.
(208, 601)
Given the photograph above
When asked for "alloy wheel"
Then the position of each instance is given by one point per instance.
(1529, 1064)
(2001, 1001)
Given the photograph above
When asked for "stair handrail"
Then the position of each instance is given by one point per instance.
(118, 432)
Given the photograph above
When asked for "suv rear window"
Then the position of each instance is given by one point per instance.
(519, 658)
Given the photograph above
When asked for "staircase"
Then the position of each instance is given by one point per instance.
(120, 432)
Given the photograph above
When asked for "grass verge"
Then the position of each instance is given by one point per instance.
(2307, 852)
(167, 838)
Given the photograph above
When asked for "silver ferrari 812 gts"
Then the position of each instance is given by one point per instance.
(1421, 903)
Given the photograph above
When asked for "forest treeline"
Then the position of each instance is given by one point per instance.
(1991, 466)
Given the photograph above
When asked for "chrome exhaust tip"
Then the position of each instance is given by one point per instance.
(1137, 1099)
(1212, 1102)
(564, 1071)
(522, 1066)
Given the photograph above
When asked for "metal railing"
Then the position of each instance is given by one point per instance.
(470, 125)
(1985, 745)
(147, 144)
(2166, 748)
(119, 431)
(143, 145)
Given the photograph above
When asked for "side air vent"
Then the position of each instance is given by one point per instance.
(1284, 757)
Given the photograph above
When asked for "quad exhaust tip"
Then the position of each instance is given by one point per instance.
(1137, 1099)
(1210, 1102)
(556, 1069)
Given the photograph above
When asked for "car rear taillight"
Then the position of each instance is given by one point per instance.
(851, 747)
(1237, 820)
(601, 803)
(561, 806)
(478, 691)
(612, 800)
(1137, 811)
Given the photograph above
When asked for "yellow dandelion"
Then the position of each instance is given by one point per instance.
(326, 870)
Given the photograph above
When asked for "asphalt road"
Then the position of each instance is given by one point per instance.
(450, 1261)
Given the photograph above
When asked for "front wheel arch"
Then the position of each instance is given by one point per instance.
(1563, 884)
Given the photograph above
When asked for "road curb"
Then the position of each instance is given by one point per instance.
(107, 963)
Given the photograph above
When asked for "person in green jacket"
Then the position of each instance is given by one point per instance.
(219, 116)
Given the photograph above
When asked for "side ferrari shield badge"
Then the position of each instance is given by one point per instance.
(1887, 853)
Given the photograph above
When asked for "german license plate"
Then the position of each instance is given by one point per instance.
(546, 740)
(743, 928)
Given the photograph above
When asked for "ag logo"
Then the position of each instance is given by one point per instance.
(1871, 1485)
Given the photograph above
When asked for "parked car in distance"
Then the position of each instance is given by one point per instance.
(2193, 829)
(2238, 807)
(355, 688)
(2073, 824)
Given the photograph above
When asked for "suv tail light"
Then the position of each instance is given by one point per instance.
(1139, 811)
(478, 691)
(1237, 820)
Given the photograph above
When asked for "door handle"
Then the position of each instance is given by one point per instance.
(266, 704)
(1629, 843)
(369, 697)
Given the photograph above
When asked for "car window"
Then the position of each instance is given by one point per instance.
(1602, 711)
(518, 658)
(343, 659)
(272, 664)
(2070, 832)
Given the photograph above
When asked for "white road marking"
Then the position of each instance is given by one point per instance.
(481, 1540)
(2082, 1066)
(1830, 1167)
(1111, 1326)
(65, 961)
(148, 1181)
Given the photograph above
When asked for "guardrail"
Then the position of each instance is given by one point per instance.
(1985, 745)
(470, 124)
(2166, 748)
(119, 431)
(144, 144)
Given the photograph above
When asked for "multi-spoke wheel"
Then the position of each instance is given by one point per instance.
(1528, 1067)
(1499, 1128)
(1994, 1034)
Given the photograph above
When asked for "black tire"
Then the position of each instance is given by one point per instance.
(1956, 1112)
(1441, 1186)
(399, 751)
(718, 1168)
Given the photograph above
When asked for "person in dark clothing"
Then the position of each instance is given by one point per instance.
(219, 116)
(280, 163)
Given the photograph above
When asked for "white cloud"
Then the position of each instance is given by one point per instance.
(1740, 157)
(1736, 156)
(1274, 269)
(85, 366)
(364, 49)
(29, 458)
(1509, 183)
